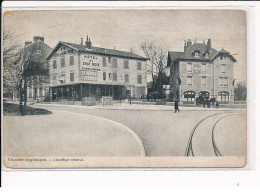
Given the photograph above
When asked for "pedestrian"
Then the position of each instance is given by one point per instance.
(217, 105)
(204, 103)
(176, 106)
(208, 103)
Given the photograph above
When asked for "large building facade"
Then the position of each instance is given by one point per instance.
(82, 70)
(201, 71)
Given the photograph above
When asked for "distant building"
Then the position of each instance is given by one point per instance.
(201, 71)
(82, 70)
(38, 50)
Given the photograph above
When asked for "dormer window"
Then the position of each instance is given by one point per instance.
(223, 57)
(196, 53)
(206, 55)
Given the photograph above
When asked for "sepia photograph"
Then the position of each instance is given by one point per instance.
(116, 88)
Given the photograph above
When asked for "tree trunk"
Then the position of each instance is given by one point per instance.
(25, 92)
(21, 98)
(159, 85)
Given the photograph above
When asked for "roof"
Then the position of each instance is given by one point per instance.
(97, 50)
(201, 48)
(37, 45)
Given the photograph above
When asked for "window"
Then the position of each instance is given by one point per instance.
(203, 81)
(223, 96)
(109, 59)
(72, 60)
(126, 78)
(114, 77)
(126, 64)
(189, 81)
(54, 64)
(62, 62)
(104, 76)
(223, 81)
(189, 96)
(109, 76)
(104, 62)
(114, 63)
(189, 67)
(196, 54)
(203, 68)
(54, 77)
(139, 79)
(72, 77)
(62, 78)
(223, 57)
(139, 65)
(207, 55)
(222, 68)
(39, 51)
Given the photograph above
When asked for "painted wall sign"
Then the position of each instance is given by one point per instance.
(90, 60)
(89, 75)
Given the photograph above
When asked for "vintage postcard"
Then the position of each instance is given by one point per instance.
(122, 88)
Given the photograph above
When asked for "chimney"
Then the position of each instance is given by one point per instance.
(189, 43)
(209, 44)
(88, 43)
(81, 42)
(36, 38)
(185, 45)
(27, 43)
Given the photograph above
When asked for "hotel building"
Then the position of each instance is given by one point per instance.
(82, 70)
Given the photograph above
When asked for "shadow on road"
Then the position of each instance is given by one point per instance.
(13, 110)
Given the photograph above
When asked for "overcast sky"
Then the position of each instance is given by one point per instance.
(129, 28)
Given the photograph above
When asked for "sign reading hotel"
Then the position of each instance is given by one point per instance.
(89, 68)
(89, 61)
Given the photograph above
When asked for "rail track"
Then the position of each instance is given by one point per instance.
(189, 149)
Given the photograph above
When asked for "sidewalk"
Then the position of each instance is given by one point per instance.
(126, 106)
(68, 134)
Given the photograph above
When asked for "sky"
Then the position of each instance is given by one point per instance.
(125, 29)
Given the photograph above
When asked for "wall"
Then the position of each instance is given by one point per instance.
(229, 72)
(196, 75)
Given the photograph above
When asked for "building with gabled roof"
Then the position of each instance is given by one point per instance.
(82, 70)
(201, 71)
(38, 88)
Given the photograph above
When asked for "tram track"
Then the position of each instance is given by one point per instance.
(189, 149)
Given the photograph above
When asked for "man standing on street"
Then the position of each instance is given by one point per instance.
(176, 106)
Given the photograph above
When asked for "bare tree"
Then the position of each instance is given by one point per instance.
(21, 68)
(157, 63)
(11, 60)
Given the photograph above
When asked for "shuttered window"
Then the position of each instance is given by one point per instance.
(126, 78)
(139, 79)
(139, 65)
(126, 64)
(55, 64)
(62, 62)
(72, 60)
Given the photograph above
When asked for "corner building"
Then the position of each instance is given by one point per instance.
(201, 71)
(81, 70)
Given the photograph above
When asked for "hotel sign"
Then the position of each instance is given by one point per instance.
(90, 61)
